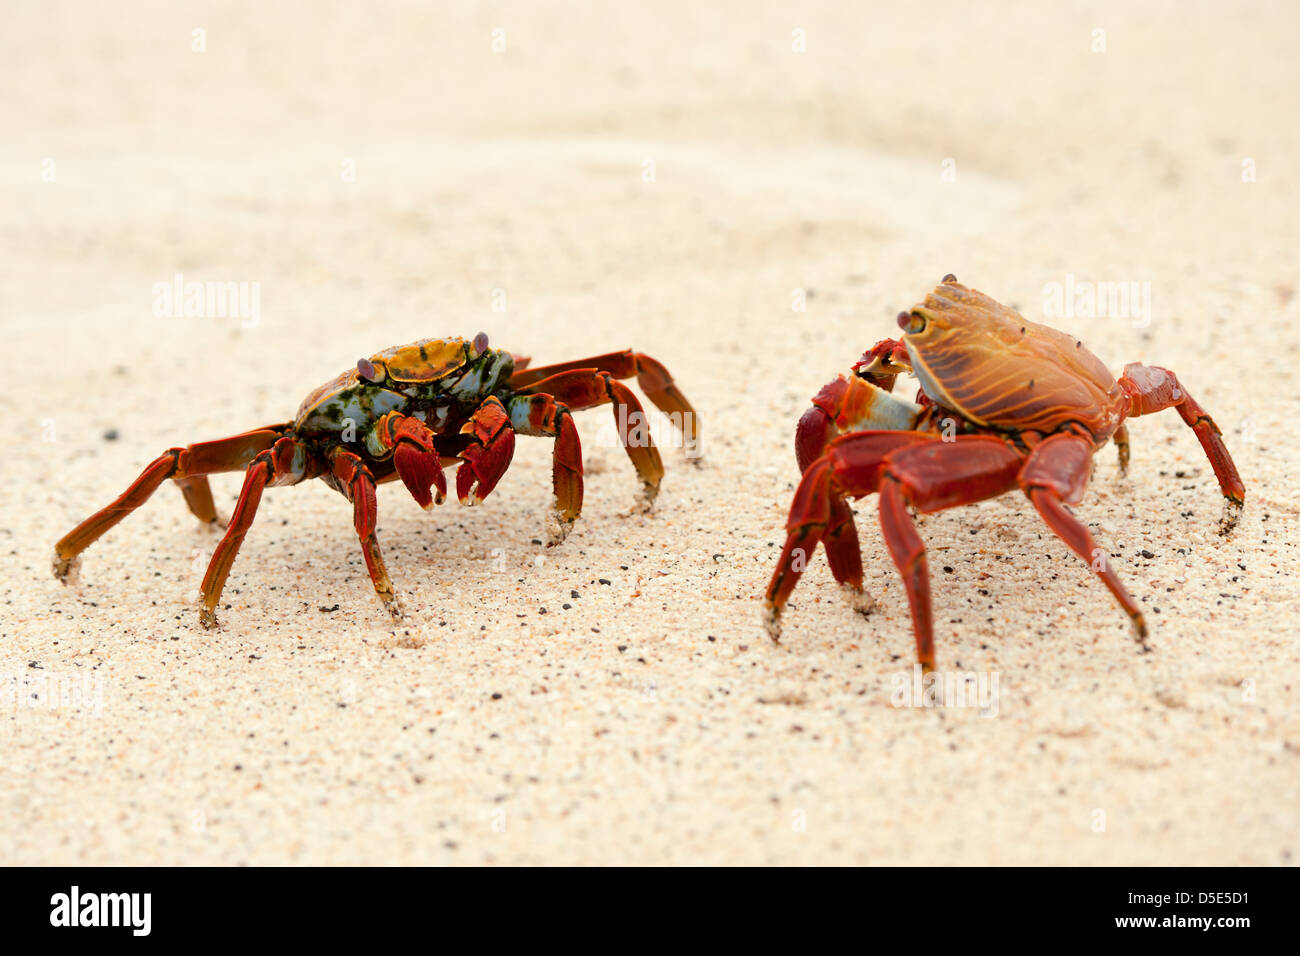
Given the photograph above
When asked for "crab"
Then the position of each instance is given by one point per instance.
(406, 413)
(1004, 404)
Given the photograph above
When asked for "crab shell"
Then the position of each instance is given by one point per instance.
(387, 381)
(425, 361)
(995, 368)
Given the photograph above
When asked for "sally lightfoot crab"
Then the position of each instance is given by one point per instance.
(407, 413)
(1004, 403)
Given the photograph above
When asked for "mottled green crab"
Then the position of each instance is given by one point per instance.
(408, 412)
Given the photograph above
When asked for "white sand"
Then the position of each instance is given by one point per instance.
(650, 720)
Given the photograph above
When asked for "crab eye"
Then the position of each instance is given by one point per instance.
(480, 343)
(911, 322)
(367, 370)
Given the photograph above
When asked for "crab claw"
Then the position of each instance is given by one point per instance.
(484, 466)
(886, 359)
(420, 471)
(417, 462)
(488, 456)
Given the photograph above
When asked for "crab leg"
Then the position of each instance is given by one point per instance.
(349, 475)
(1120, 438)
(188, 465)
(586, 388)
(1055, 475)
(650, 373)
(850, 467)
(844, 555)
(852, 405)
(816, 429)
(1153, 389)
(931, 478)
(287, 462)
(543, 415)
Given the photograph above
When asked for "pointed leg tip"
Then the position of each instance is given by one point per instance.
(859, 599)
(645, 501)
(208, 618)
(65, 569)
(772, 622)
(557, 529)
(1232, 510)
(1140, 633)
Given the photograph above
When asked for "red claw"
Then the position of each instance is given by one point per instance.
(486, 459)
(414, 456)
(420, 471)
(486, 465)
(883, 361)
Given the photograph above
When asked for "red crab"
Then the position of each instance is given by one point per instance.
(407, 413)
(1005, 403)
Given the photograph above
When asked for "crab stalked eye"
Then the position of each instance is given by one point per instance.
(480, 344)
(367, 370)
(911, 322)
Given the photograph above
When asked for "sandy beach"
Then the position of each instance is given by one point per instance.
(749, 193)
